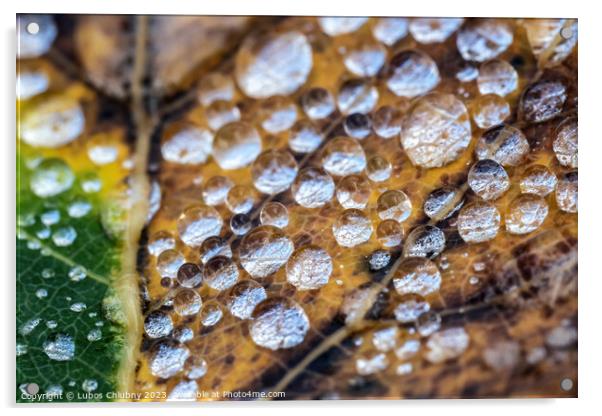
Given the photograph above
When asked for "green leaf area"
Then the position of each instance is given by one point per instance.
(69, 335)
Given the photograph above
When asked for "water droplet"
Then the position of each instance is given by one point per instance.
(357, 125)
(220, 273)
(503, 355)
(91, 183)
(484, 39)
(489, 110)
(273, 64)
(304, 137)
(505, 144)
(335, 26)
(220, 113)
(94, 335)
(372, 365)
(467, 73)
(169, 262)
(387, 121)
(432, 29)
(79, 208)
(21, 349)
(352, 228)
(437, 131)
(64, 236)
(187, 302)
(33, 45)
(389, 233)
(538, 180)
(196, 367)
(567, 191)
(78, 307)
(183, 334)
(50, 217)
(379, 259)
(565, 144)
(216, 189)
(214, 246)
(417, 275)
(497, 77)
(240, 224)
(313, 188)
(215, 86)
(385, 339)
(545, 38)
(160, 241)
(317, 103)
(189, 275)
(236, 145)
(89, 385)
(343, 156)
(277, 114)
(197, 223)
(274, 171)
(77, 273)
(478, 222)
(412, 73)
(424, 241)
(51, 177)
(158, 324)
(264, 250)
(309, 268)
(525, 214)
(389, 30)
(60, 348)
(542, 101)
(244, 297)
(488, 179)
(31, 83)
(365, 59)
(168, 358)
(353, 191)
(394, 205)
(446, 345)
(357, 96)
(274, 213)
(211, 313)
(102, 153)
(186, 145)
(428, 323)
(41, 293)
(442, 203)
(378, 169)
(278, 323)
(240, 199)
(53, 122)
(48, 273)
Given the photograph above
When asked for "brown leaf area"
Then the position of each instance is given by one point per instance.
(509, 294)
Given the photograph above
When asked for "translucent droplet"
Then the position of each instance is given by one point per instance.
(102, 154)
(505, 144)
(211, 313)
(274, 171)
(538, 180)
(160, 241)
(240, 224)
(51, 217)
(78, 307)
(240, 199)
(478, 222)
(417, 275)
(33, 45)
(424, 241)
(366, 59)
(488, 179)
(220, 113)
(77, 273)
(378, 169)
(489, 110)
(51, 177)
(198, 223)
(196, 367)
(352, 228)
(220, 273)
(94, 335)
(542, 101)
(187, 145)
(389, 233)
(408, 349)
(79, 208)
(309, 268)
(216, 189)
(278, 323)
(353, 191)
(357, 96)
(497, 77)
(525, 214)
(467, 73)
(317, 103)
(158, 324)
(169, 262)
(412, 73)
(385, 339)
(565, 144)
(394, 205)
(389, 30)
(545, 38)
(567, 191)
(304, 137)
(277, 114)
(502, 355)
(273, 64)
(433, 29)
(41, 293)
(334, 26)
(428, 323)
(379, 259)
(484, 39)
(264, 250)
(53, 123)
(442, 203)
(89, 385)
(60, 348)
(446, 345)
(244, 297)
(214, 246)
(183, 334)
(189, 275)
(410, 308)
(215, 86)
(357, 125)
(274, 213)
(64, 236)
(187, 302)
(236, 145)
(313, 188)
(168, 358)
(387, 121)
(437, 131)
(31, 83)
(343, 156)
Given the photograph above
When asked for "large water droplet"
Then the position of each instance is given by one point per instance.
(53, 123)
(538, 180)
(343, 156)
(389, 30)
(484, 39)
(353, 191)
(412, 73)
(488, 179)
(60, 348)
(158, 324)
(168, 358)
(198, 223)
(278, 323)
(51, 177)
(236, 145)
(565, 144)
(264, 250)
(478, 222)
(542, 101)
(334, 26)
(497, 77)
(187, 145)
(244, 297)
(352, 228)
(309, 268)
(394, 205)
(313, 188)
(567, 192)
(274, 171)
(274, 213)
(220, 273)
(424, 241)
(505, 144)
(417, 275)
(525, 214)
(433, 29)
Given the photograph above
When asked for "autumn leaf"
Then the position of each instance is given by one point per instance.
(304, 208)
